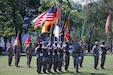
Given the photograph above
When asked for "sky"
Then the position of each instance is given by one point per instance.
(83, 2)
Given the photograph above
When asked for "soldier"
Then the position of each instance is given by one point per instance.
(39, 59)
(28, 50)
(55, 57)
(95, 51)
(45, 56)
(50, 51)
(17, 52)
(103, 54)
(76, 54)
(66, 56)
(9, 52)
(82, 53)
(60, 55)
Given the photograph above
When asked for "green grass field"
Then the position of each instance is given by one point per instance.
(86, 70)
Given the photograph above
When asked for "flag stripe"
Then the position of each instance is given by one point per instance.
(39, 17)
(107, 23)
(39, 20)
(49, 15)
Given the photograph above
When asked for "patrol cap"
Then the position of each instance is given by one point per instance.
(103, 42)
(60, 42)
(76, 40)
(96, 42)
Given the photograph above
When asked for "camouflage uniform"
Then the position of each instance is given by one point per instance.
(28, 50)
(39, 59)
(17, 54)
(60, 56)
(50, 51)
(45, 57)
(9, 52)
(66, 56)
(82, 53)
(55, 57)
(103, 54)
(95, 51)
(76, 54)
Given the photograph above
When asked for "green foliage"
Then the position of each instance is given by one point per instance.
(76, 23)
(96, 15)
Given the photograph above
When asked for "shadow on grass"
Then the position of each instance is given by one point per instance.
(24, 66)
(73, 73)
(88, 54)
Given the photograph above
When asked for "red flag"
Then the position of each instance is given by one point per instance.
(107, 23)
(69, 23)
(38, 21)
(67, 34)
(28, 40)
(16, 42)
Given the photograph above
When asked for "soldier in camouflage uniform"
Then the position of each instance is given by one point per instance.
(45, 56)
(17, 52)
(95, 51)
(76, 54)
(82, 53)
(55, 57)
(50, 51)
(39, 57)
(60, 55)
(9, 52)
(28, 50)
(66, 56)
(103, 54)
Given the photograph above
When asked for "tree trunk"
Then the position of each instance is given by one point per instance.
(5, 43)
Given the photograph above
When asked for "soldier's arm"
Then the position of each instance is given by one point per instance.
(36, 49)
(25, 49)
(7, 50)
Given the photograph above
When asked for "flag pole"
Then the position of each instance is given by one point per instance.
(51, 30)
(65, 23)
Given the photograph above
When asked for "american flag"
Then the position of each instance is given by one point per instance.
(39, 20)
(49, 16)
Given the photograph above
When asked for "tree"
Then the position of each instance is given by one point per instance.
(16, 16)
(96, 14)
